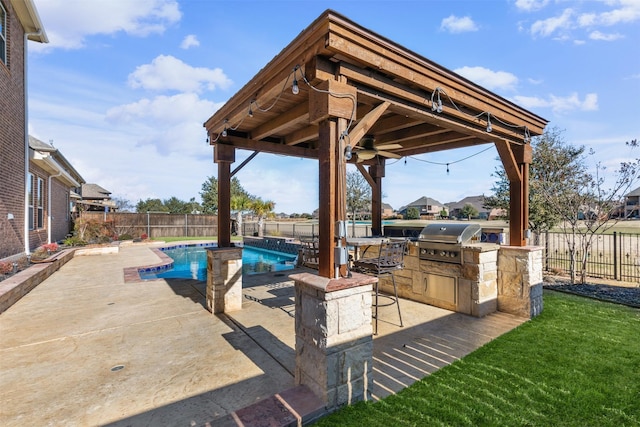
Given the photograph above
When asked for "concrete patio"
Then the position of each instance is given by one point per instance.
(87, 348)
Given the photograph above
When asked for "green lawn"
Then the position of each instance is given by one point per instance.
(577, 364)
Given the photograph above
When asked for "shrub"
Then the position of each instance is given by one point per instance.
(74, 241)
(125, 236)
(6, 267)
(144, 236)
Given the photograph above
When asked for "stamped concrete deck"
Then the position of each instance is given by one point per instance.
(85, 348)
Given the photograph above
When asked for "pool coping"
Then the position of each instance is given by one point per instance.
(132, 274)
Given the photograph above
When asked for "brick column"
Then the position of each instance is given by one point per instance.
(520, 280)
(334, 342)
(224, 279)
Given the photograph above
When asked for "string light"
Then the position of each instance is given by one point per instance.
(294, 87)
(436, 106)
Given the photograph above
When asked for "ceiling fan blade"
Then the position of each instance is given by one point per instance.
(388, 146)
(388, 154)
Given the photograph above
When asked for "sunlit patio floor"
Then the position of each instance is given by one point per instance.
(86, 348)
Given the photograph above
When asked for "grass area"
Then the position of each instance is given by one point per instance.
(577, 364)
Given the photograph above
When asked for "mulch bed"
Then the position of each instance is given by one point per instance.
(617, 294)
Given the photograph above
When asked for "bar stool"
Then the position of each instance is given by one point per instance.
(390, 258)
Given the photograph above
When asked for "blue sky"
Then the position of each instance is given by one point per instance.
(124, 86)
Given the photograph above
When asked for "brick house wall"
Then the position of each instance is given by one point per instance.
(60, 216)
(38, 235)
(12, 139)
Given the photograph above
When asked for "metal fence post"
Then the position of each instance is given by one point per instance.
(615, 255)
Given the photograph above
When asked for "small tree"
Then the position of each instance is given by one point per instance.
(412, 213)
(240, 203)
(151, 205)
(358, 195)
(262, 208)
(469, 211)
(122, 204)
(583, 200)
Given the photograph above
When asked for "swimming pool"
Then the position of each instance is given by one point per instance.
(190, 262)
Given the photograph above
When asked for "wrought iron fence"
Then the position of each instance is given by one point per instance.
(611, 256)
(300, 229)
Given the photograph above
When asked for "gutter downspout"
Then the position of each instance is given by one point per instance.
(27, 248)
(49, 206)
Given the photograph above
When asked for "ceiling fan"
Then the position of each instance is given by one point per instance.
(366, 150)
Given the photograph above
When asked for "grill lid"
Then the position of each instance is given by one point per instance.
(450, 233)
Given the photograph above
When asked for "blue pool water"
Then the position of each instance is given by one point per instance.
(190, 262)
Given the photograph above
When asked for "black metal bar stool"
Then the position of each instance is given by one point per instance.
(390, 258)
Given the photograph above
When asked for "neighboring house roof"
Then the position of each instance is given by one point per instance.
(423, 201)
(387, 206)
(634, 193)
(51, 159)
(30, 20)
(94, 192)
(475, 201)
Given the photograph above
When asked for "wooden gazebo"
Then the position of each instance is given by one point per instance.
(337, 93)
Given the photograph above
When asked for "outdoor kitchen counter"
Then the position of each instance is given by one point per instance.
(468, 286)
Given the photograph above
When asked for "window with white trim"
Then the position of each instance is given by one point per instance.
(40, 203)
(3, 35)
(30, 198)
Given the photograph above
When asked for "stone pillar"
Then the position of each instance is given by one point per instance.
(224, 279)
(520, 280)
(334, 342)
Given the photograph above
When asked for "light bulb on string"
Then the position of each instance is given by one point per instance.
(439, 109)
(250, 111)
(224, 131)
(294, 88)
(489, 128)
(447, 168)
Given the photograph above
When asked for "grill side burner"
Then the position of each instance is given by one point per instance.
(443, 242)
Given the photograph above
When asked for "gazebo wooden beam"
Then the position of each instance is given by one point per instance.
(363, 126)
(270, 147)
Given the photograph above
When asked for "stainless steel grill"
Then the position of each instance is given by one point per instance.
(443, 242)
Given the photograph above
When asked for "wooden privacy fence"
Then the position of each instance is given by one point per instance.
(158, 224)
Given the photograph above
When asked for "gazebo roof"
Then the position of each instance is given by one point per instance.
(334, 55)
(341, 93)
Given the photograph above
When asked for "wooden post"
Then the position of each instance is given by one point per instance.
(224, 155)
(327, 167)
(519, 196)
(377, 173)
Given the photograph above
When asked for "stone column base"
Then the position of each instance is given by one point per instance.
(520, 280)
(224, 279)
(334, 341)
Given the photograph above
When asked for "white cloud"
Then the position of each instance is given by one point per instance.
(597, 35)
(489, 79)
(560, 104)
(531, 5)
(68, 25)
(171, 124)
(453, 24)
(169, 73)
(189, 41)
(548, 26)
(621, 12)
(627, 12)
